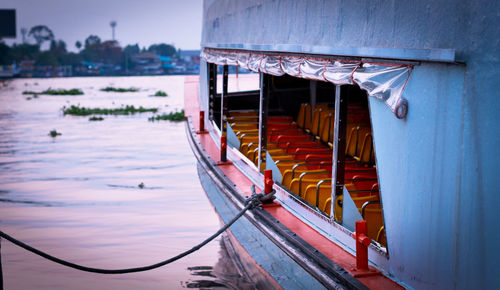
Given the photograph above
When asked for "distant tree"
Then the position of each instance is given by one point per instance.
(58, 50)
(72, 59)
(163, 49)
(5, 54)
(78, 45)
(41, 33)
(127, 54)
(92, 40)
(46, 58)
(24, 51)
(131, 49)
(59, 46)
(110, 52)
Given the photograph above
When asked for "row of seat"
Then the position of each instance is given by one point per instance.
(302, 150)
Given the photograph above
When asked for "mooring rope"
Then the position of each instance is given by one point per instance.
(253, 201)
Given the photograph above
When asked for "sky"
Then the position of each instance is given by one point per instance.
(144, 22)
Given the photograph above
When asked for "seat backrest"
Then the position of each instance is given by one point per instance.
(301, 117)
(327, 128)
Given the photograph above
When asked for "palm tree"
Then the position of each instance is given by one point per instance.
(41, 33)
(113, 25)
(78, 45)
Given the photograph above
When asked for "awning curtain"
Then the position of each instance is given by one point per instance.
(380, 80)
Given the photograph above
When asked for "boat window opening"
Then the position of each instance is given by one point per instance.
(241, 91)
(300, 141)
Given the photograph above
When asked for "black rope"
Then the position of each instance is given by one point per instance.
(251, 203)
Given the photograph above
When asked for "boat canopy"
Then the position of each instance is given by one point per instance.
(384, 81)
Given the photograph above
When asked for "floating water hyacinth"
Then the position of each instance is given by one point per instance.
(127, 110)
(54, 133)
(94, 118)
(160, 94)
(119, 90)
(172, 116)
(60, 92)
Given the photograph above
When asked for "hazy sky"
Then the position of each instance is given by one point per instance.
(144, 22)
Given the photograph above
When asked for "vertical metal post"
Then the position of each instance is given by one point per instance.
(263, 114)
(312, 94)
(223, 101)
(212, 89)
(339, 143)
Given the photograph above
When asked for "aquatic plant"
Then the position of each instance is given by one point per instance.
(119, 90)
(127, 110)
(50, 91)
(172, 116)
(141, 185)
(94, 118)
(54, 133)
(160, 94)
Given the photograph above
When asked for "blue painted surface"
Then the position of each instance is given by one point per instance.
(350, 212)
(270, 165)
(232, 139)
(443, 55)
(438, 167)
(265, 253)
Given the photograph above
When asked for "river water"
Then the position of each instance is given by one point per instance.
(77, 195)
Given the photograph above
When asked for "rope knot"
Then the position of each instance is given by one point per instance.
(257, 199)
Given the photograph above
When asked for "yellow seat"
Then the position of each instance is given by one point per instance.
(374, 219)
(312, 123)
(326, 208)
(366, 151)
(289, 175)
(327, 128)
(304, 113)
(322, 190)
(299, 184)
(284, 165)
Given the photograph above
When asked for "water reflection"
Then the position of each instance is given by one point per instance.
(77, 197)
(224, 275)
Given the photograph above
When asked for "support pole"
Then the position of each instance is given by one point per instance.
(339, 143)
(313, 85)
(263, 115)
(224, 101)
(212, 89)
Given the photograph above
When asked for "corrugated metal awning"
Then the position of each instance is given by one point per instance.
(384, 81)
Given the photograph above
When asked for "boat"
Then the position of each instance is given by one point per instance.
(374, 127)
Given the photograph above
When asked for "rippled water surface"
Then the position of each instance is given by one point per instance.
(77, 195)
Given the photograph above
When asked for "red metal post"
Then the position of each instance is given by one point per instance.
(202, 124)
(362, 243)
(268, 181)
(202, 121)
(223, 149)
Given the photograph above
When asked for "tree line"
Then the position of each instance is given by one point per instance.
(93, 49)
